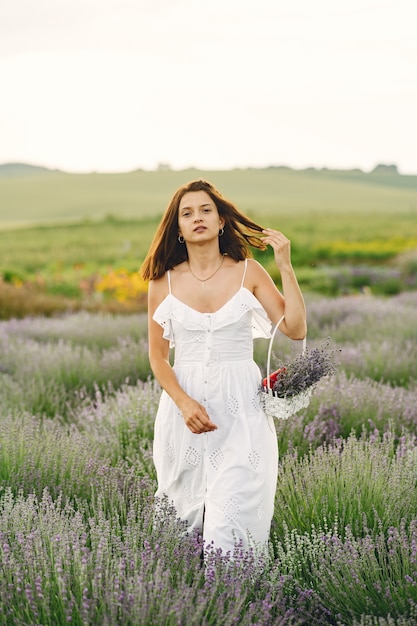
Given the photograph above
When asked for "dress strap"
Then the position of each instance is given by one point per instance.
(169, 280)
(244, 273)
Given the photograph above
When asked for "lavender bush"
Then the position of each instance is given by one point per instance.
(360, 580)
(378, 336)
(354, 482)
(59, 568)
(96, 332)
(49, 373)
(343, 404)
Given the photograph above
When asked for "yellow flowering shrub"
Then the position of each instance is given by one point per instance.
(122, 285)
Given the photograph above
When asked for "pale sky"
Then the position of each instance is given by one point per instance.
(116, 85)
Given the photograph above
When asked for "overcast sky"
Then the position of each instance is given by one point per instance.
(115, 85)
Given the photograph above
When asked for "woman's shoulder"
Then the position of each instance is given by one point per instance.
(158, 289)
(256, 275)
(254, 267)
(157, 283)
(252, 262)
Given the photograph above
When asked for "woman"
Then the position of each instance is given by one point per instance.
(215, 451)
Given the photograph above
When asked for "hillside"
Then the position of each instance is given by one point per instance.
(34, 195)
(16, 170)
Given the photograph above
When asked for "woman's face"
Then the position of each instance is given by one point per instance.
(198, 217)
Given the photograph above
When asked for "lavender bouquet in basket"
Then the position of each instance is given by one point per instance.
(289, 388)
(304, 371)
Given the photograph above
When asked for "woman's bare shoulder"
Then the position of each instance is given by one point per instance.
(157, 283)
(158, 289)
(252, 262)
(255, 268)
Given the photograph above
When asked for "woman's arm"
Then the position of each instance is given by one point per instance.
(291, 302)
(194, 414)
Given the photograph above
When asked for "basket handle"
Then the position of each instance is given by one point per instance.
(268, 363)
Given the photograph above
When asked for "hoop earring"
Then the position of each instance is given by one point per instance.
(181, 239)
(221, 232)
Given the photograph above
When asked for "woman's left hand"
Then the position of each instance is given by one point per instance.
(281, 246)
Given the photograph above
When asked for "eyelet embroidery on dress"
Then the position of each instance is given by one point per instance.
(254, 459)
(231, 509)
(244, 308)
(196, 336)
(261, 512)
(233, 405)
(187, 492)
(255, 402)
(192, 457)
(216, 458)
(170, 450)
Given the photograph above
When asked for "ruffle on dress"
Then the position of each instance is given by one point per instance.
(243, 301)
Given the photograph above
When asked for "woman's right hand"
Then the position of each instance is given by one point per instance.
(196, 417)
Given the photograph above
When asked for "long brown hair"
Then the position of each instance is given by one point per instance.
(166, 251)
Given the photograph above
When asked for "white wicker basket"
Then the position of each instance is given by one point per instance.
(281, 408)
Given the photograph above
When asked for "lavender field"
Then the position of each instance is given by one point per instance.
(80, 542)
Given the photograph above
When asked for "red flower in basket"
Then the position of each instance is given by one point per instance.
(279, 373)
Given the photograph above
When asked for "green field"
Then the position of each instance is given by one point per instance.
(59, 229)
(275, 192)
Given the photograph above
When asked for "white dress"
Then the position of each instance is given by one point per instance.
(222, 483)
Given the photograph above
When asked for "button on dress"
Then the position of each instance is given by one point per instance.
(223, 482)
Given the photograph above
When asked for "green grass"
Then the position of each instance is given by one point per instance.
(55, 250)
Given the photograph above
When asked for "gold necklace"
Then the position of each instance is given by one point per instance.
(208, 277)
